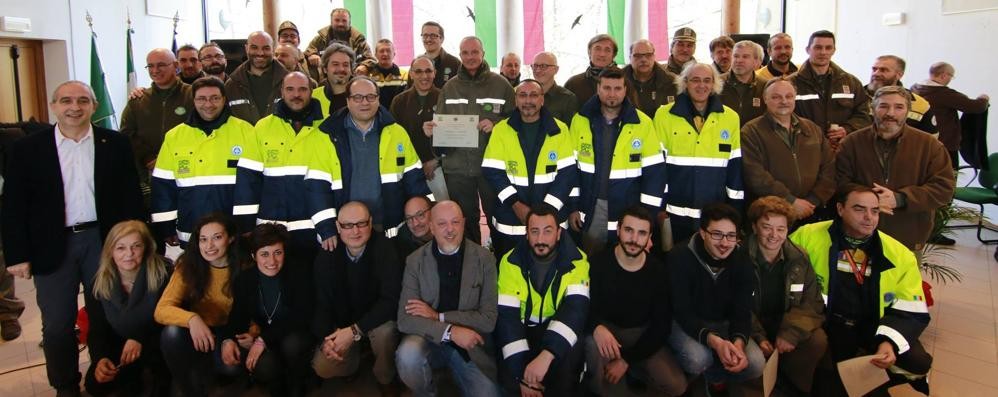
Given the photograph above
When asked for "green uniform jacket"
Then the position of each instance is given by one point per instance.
(146, 120)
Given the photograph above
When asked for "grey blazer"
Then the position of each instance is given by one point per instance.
(478, 305)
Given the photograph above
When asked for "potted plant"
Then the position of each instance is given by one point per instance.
(932, 257)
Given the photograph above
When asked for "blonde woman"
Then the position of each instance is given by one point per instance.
(124, 338)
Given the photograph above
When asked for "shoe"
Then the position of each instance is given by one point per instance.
(942, 240)
(10, 329)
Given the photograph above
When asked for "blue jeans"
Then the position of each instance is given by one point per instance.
(416, 358)
(696, 358)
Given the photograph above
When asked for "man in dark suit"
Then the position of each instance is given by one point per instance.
(447, 307)
(65, 188)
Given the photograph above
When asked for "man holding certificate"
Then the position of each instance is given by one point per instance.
(474, 91)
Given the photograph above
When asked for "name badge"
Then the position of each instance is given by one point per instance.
(796, 287)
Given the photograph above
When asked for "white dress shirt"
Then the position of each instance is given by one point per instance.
(76, 160)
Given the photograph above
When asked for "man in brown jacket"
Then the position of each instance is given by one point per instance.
(827, 95)
(411, 109)
(742, 88)
(255, 86)
(340, 29)
(159, 108)
(787, 156)
(907, 168)
(945, 103)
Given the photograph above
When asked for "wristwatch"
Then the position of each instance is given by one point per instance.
(356, 332)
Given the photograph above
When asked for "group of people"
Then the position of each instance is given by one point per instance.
(320, 223)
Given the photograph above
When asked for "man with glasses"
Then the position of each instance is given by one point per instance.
(711, 282)
(416, 231)
(475, 90)
(341, 31)
(190, 65)
(337, 64)
(357, 288)
(557, 99)
(703, 150)
(213, 60)
(411, 109)
(287, 33)
(254, 87)
(184, 190)
(446, 65)
(162, 106)
(530, 160)
(371, 147)
(652, 84)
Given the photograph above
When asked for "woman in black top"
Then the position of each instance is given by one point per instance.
(277, 299)
(124, 338)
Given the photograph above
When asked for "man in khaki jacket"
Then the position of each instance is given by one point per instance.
(787, 156)
(907, 168)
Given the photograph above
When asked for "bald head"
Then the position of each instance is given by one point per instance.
(447, 225)
(260, 51)
(287, 54)
(545, 66)
(162, 66)
(295, 91)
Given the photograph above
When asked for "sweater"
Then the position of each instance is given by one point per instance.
(213, 308)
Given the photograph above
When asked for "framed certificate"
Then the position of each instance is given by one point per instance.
(455, 130)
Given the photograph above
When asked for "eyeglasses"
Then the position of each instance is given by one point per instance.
(358, 98)
(542, 66)
(642, 55)
(419, 215)
(433, 36)
(348, 226)
(288, 36)
(420, 71)
(205, 99)
(532, 95)
(210, 57)
(718, 235)
(159, 65)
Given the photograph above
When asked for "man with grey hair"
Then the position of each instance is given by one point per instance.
(475, 90)
(65, 187)
(887, 71)
(742, 88)
(159, 108)
(781, 49)
(341, 31)
(946, 102)
(391, 80)
(338, 65)
(703, 146)
(652, 85)
(907, 168)
(561, 102)
(255, 86)
(602, 50)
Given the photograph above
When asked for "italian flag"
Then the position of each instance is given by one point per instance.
(525, 27)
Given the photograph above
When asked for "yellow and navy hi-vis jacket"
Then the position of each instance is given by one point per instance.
(901, 306)
(505, 168)
(637, 167)
(561, 309)
(195, 172)
(401, 170)
(270, 184)
(324, 95)
(705, 166)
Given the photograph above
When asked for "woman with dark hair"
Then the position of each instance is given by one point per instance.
(196, 304)
(277, 298)
(124, 339)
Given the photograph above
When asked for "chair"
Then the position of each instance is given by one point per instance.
(986, 194)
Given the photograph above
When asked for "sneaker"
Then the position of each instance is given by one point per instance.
(10, 329)
(942, 240)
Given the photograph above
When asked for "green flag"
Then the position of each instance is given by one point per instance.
(105, 110)
(132, 82)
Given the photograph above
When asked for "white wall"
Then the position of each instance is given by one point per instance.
(62, 26)
(967, 41)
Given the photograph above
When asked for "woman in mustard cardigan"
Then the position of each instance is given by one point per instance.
(196, 304)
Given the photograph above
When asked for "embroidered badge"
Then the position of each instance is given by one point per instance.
(487, 107)
(756, 102)
(400, 148)
(552, 155)
(725, 134)
(636, 143)
(237, 150)
(180, 111)
(184, 167)
(845, 89)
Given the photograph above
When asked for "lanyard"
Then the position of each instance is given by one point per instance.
(856, 271)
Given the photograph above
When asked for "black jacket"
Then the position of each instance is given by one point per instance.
(34, 211)
(339, 304)
(123, 317)
(701, 301)
(294, 307)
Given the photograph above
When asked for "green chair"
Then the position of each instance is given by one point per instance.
(986, 194)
